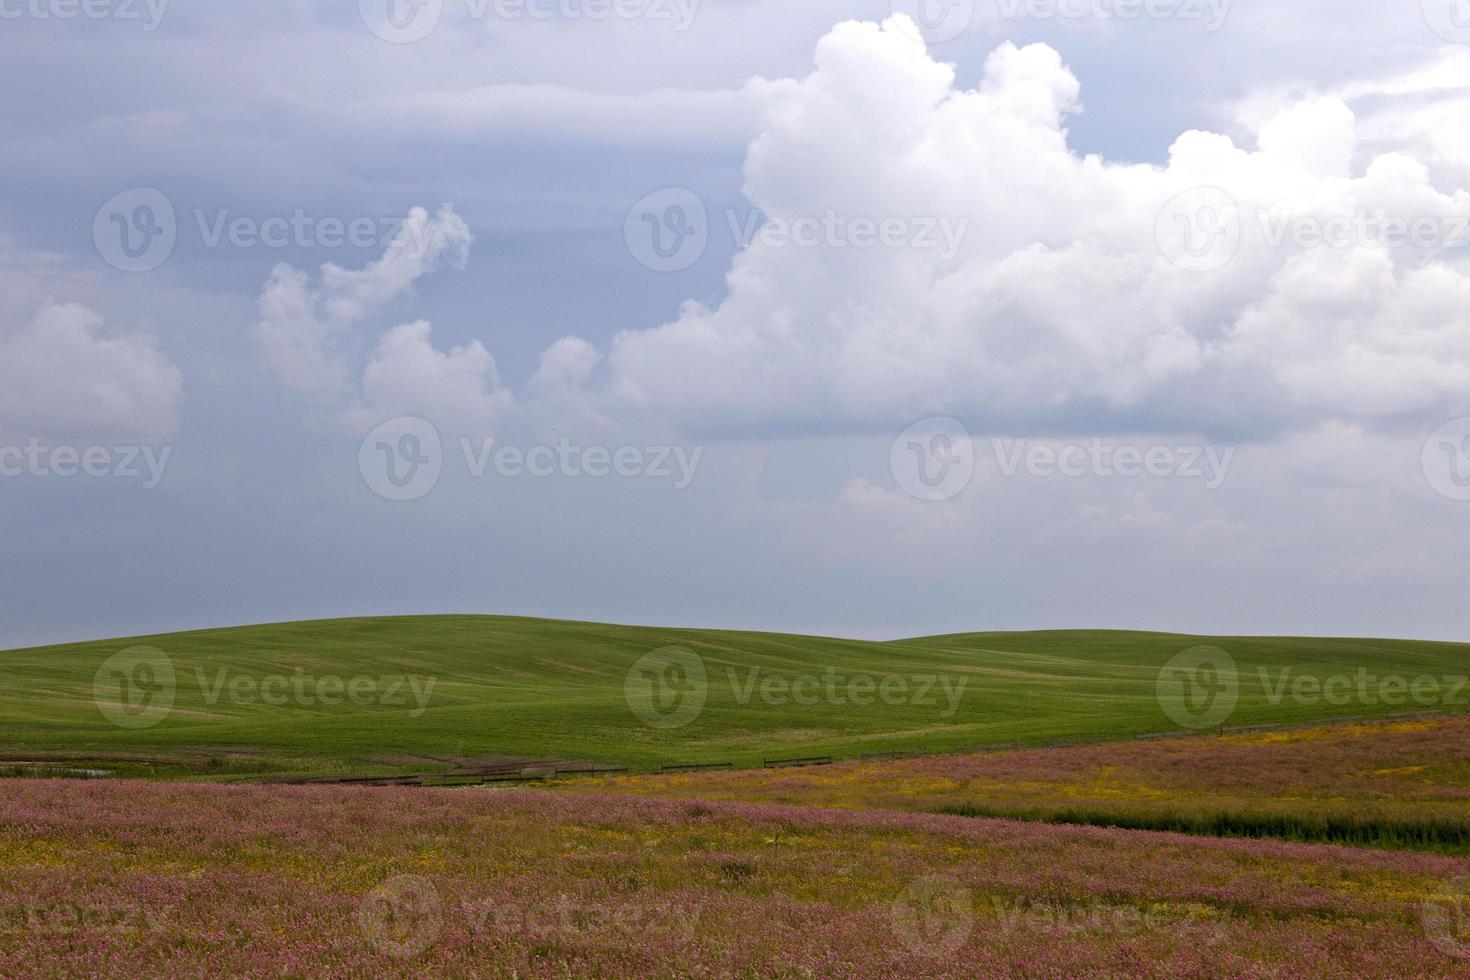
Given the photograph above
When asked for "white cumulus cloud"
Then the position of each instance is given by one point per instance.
(64, 376)
(1058, 307)
(307, 332)
(967, 261)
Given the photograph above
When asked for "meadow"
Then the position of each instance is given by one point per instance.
(109, 878)
(1403, 784)
(423, 694)
(1058, 810)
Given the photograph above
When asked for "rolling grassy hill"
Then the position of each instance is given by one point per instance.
(415, 693)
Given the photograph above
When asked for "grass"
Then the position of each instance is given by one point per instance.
(1443, 836)
(856, 869)
(1398, 785)
(539, 689)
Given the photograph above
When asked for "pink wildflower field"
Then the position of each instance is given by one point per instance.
(102, 878)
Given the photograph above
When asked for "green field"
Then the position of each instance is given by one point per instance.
(249, 701)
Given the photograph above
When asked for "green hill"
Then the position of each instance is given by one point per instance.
(417, 693)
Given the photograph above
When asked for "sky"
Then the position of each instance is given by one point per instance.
(869, 319)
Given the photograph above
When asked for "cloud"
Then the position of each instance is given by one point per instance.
(1002, 278)
(407, 376)
(306, 332)
(1419, 111)
(64, 376)
(1060, 309)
